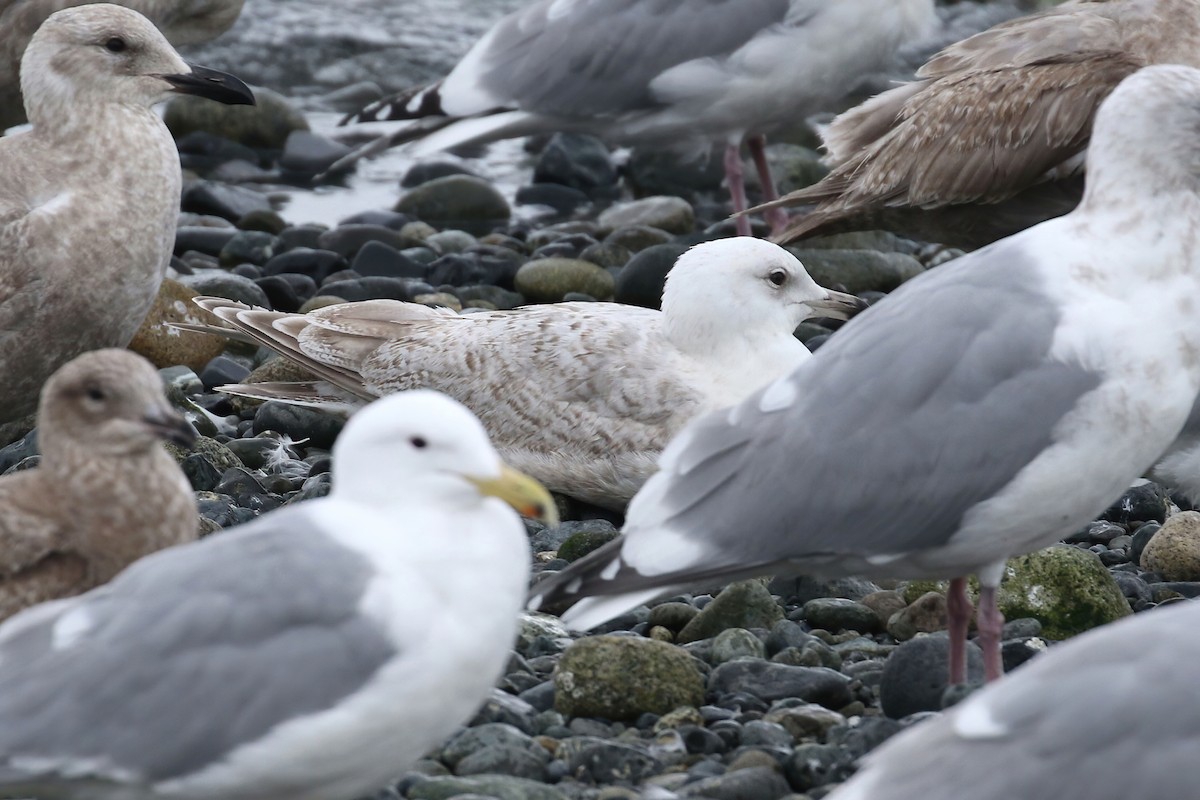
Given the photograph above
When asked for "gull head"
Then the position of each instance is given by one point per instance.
(110, 402)
(98, 54)
(1144, 138)
(420, 445)
(729, 287)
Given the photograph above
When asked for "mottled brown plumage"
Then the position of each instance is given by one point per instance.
(106, 491)
(990, 139)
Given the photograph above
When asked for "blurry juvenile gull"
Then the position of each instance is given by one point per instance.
(312, 654)
(582, 396)
(990, 139)
(106, 492)
(1043, 734)
(675, 73)
(89, 197)
(183, 22)
(985, 409)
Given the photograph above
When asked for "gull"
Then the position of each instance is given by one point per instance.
(1042, 733)
(106, 493)
(666, 73)
(990, 138)
(89, 196)
(183, 22)
(312, 654)
(985, 409)
(583, 396)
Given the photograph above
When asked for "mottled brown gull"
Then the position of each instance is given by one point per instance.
(582, 396)
(986, 409)
(990, 139)
(89, 196)
(183, 22)
(106, 492)
(675, 73)
(312, 654)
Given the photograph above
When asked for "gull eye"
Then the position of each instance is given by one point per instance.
(418, 442)
(115, 45)
(778, 277)
(95, 394)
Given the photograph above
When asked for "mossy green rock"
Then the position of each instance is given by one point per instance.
(1174, 550)
(217, 454)
(858, 271)
(546, 280)
(1065, 588)
(620, 678)
(746, 604)
(502, 787)
(462, 202)
(580, 544)
(265, 125)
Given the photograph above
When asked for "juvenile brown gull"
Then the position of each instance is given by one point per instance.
(90, 196)
(312, 654)
(985, 409)
(990, 139)
(582, 396)
(183, 22)
(1043, 733)
(105, 494)
(674, 73)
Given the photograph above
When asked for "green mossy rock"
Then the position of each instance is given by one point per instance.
(620, 678)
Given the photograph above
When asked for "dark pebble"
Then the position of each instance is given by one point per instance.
(640, 282)
(223, 369)
(299, 423)
(200, 472)
(563, 200)
(368, 288)
(769, 681)
(379, 259)
(576, 160)
(346, 240)
(221, 200)
(307, 153)
(202, 239)
(1145, 503)
(432, 170)
(915, 675)
(316, 264)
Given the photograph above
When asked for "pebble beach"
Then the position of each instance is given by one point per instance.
(766, 689)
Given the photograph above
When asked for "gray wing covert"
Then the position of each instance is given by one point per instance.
(883, 450)
(610, 50)
(190, 653)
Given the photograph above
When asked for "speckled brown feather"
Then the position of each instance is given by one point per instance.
(994, 117)
(105, 494)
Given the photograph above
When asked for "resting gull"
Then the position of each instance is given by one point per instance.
(90, 196)
(105, 494)
(582, 396)
(986, 409)
(675, 73)
(312, 654)
(990, 139)
(183, 22)
(1107, 714)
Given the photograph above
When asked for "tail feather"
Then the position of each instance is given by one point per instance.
(314, 394)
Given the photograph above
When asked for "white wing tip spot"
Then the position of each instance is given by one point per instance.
(975, 721)
(610, 572)
(70, 627)
(779, 395)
